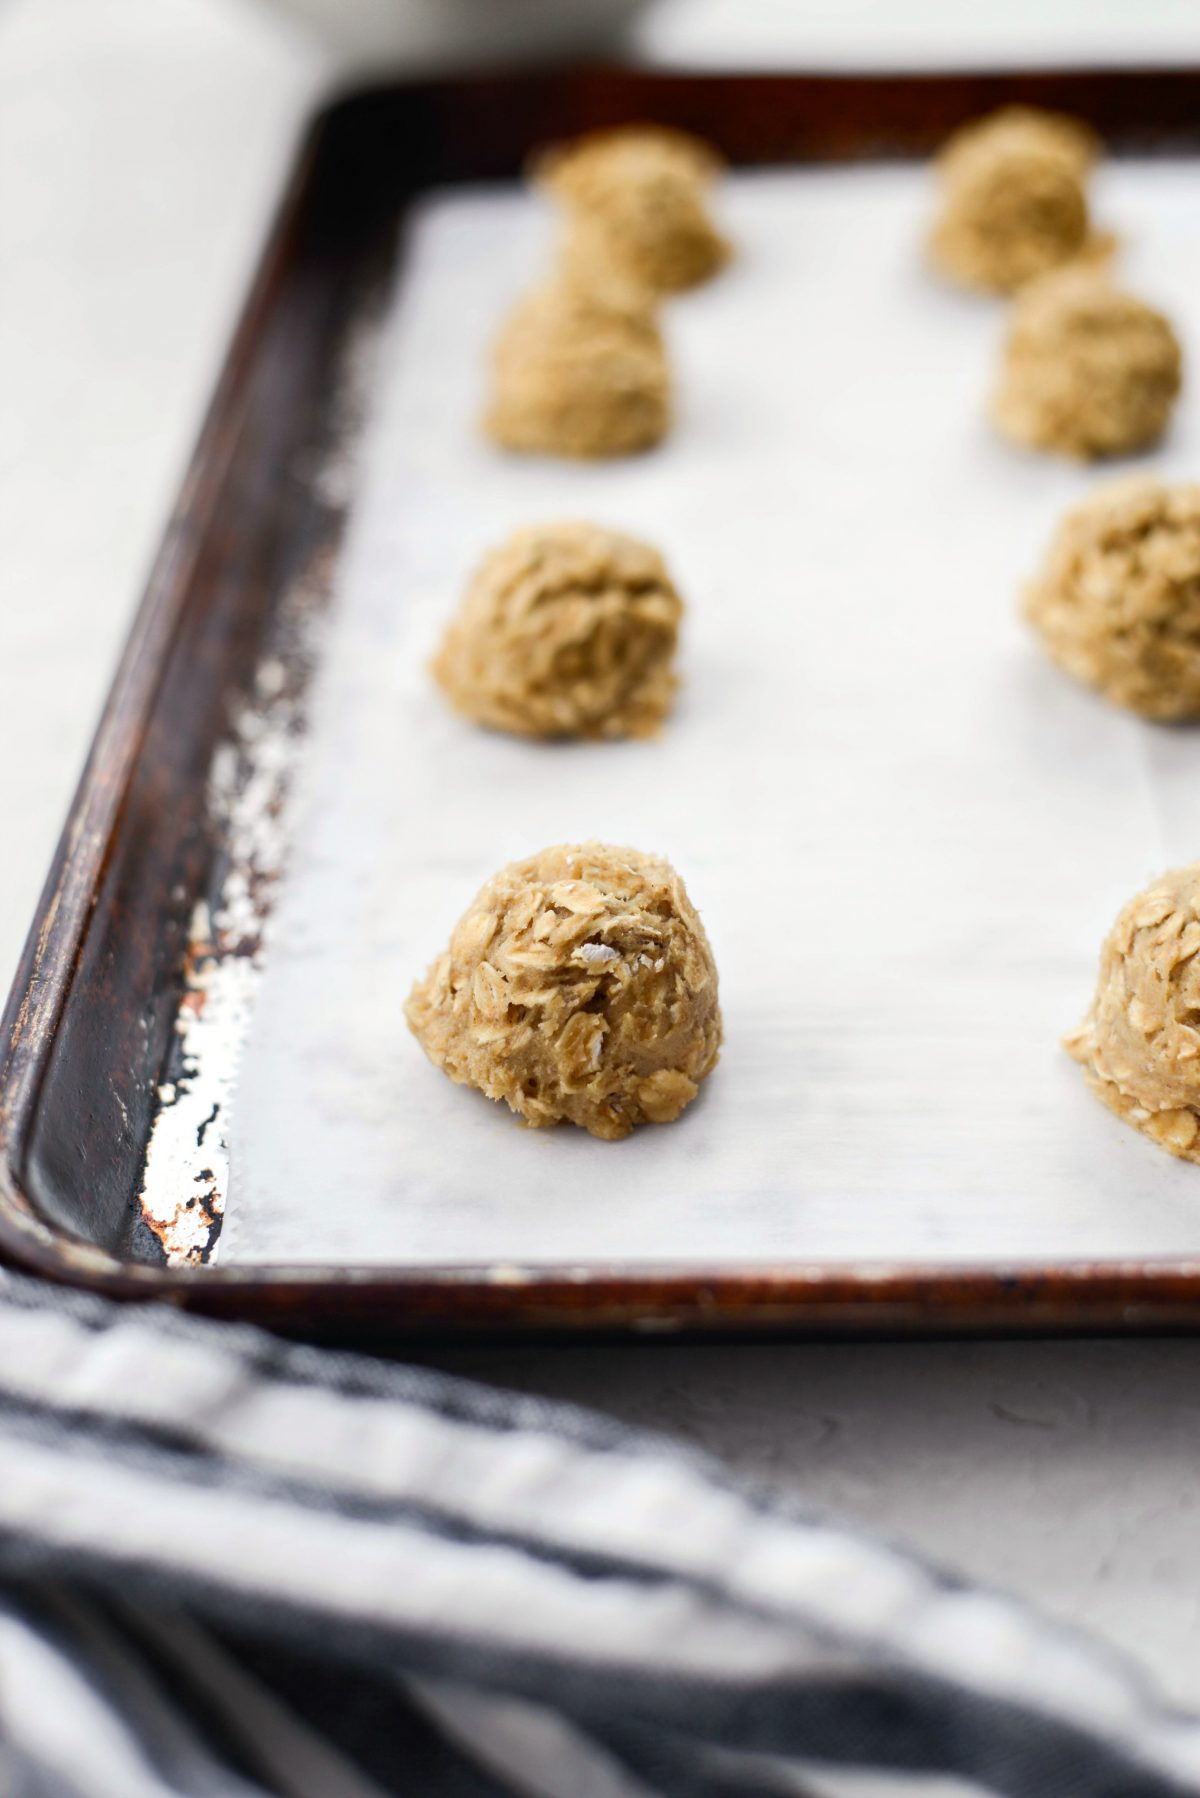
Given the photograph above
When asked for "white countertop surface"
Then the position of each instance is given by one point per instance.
(141, 145)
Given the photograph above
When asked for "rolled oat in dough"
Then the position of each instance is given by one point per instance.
(1139, 1045)
(637, 198)
(1117, 603)
(580, 370)
(1012, 199)
(579, 985)
(566, 630)
(1088, 370)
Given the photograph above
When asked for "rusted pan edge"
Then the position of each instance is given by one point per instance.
(756, 118)
(1078, 1298)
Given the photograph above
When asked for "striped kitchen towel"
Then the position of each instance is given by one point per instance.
(232, 1566)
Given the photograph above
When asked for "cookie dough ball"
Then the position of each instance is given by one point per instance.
(637, 198)
(1117, 603)
(1139, 1045)
(580, 371)
(1088, 370)
(1012, 200)
(566, 630)
(578, 985)
(1016, 127)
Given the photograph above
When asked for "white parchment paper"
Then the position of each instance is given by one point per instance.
(906, 832)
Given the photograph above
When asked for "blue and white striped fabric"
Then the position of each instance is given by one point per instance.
(234, 1566)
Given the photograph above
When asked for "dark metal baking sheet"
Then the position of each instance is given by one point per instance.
(125, 940)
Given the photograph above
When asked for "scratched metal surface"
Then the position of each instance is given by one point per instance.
(907, 835)
(251, 802)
